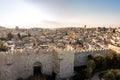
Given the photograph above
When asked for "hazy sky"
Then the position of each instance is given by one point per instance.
(59, 13)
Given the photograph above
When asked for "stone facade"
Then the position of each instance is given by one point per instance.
(81, 56)
(20, 63)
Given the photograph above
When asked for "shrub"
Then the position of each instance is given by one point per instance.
(10, 36)
(110, 75)
(4, 39)
(100, 62)
(91, 66)
(3, 48)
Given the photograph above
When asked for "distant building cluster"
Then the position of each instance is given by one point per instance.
(78, 38)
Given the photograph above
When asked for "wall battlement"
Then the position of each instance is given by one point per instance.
(18, 51)
(90, 51)
(20, 62)
(81, 56)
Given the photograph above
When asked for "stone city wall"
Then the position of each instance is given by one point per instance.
(81, 56)
(66, 64)
(20, 63)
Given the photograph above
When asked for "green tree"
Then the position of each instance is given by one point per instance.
(19, 36)
(29, 35)
(100, 62)
(109, 75)
(89, 57)
(111, 54)
(3, 38)
(118, 61)
(117, 74)
(113, 59)
(10, 36)
(17, 27)
(2, 47)
(91, 66)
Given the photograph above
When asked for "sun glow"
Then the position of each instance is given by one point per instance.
(25, 15)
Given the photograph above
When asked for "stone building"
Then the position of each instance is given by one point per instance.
(26, 62)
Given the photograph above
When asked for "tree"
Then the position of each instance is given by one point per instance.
(17, 27)
(29, 35)
(113, 59)
(89, 57)
(19, 36)
(111, 54)
(91, 66)
(118, 61)
(10, 36)
(2, 47)
(117, 74)
(109, 75)
(3, 38)
(100, 62)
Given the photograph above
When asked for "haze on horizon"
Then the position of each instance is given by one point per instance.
(59, 13)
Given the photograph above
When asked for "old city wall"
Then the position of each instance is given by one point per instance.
(20, 63)
(81, 56)
(6, 67)
(66, 63)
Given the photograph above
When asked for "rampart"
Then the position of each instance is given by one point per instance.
(81, 56)
(20, 63)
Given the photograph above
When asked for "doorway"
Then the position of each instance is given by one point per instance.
(37, 69)
(53, 75)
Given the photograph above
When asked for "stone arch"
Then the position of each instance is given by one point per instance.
(37, 64)
(37, 69)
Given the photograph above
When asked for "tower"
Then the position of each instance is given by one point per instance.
(64, 63)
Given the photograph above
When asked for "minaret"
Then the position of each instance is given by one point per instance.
(84, 30)
(84, 26)
(84, 35)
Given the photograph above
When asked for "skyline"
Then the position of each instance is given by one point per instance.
(59, 13)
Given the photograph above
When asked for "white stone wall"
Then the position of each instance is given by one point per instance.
(81, 56)
(6, 69)
(20, 64)
(66, 59)
(56, 63)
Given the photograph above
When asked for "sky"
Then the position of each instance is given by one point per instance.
(59, 13)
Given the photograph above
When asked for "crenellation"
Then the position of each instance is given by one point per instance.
(60, 61)
(81, 57)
